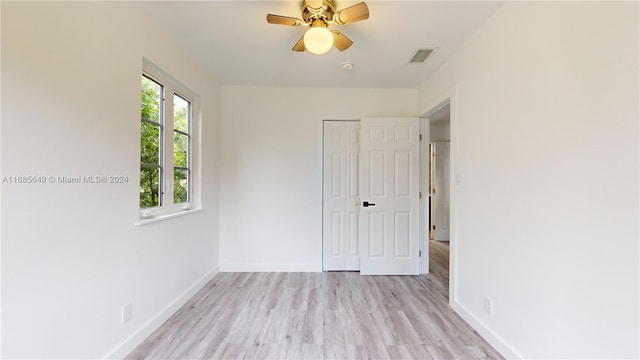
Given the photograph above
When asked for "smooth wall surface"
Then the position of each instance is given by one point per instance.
(271, 169)
(547, 142)
(71, 255)
(440, 130)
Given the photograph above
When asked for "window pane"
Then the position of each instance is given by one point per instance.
(180, 150)
(180, 185)
(149, 187)
(180, 114)
(150, 144)
(151, 99)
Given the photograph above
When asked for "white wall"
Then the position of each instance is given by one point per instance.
(271, 169)
(546, 125)
(71, 255)
(440, 130)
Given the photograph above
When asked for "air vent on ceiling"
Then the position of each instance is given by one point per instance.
(420, 56)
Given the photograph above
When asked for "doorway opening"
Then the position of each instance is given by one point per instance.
(439, 192)
(439, 173)
(438, 169)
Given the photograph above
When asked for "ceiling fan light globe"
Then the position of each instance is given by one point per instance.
(318, 40)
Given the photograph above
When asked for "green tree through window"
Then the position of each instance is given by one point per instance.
(150, 144)
(181, 111)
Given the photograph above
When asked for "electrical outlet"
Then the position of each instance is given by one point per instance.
(488, 306)
(127, 313)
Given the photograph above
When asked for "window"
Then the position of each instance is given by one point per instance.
(151, 144)
(181, 142)
(166, 146)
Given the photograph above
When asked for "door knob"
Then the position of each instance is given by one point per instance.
(367, 204)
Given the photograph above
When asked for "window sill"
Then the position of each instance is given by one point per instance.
(165, 217)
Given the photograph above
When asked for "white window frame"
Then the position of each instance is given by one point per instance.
(168, 208)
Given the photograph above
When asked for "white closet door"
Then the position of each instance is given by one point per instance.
(389, 190)
(340, 249)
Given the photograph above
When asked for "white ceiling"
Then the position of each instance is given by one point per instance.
(233, 40)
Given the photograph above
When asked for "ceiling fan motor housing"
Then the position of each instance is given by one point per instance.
(324, 12)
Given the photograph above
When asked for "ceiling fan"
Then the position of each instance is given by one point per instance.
(318, 15)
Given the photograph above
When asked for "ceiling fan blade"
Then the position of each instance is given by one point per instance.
(340, 41)
(352, 14)
(299, 46)
(283, 20)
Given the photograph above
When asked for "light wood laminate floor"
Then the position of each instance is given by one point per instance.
(331, 315)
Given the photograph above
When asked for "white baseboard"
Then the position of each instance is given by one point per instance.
(271, 267)
(124, 348)
(489, 335)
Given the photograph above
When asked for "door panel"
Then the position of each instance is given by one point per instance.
(402, 173)
(354, 220)
(377, 170)
(376, 234)
(340, 196)
(402, 236)
(389, 178)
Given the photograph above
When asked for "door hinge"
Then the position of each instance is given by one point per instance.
(420, 137)
(434, 227)
(420, 195)
(419, 253)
